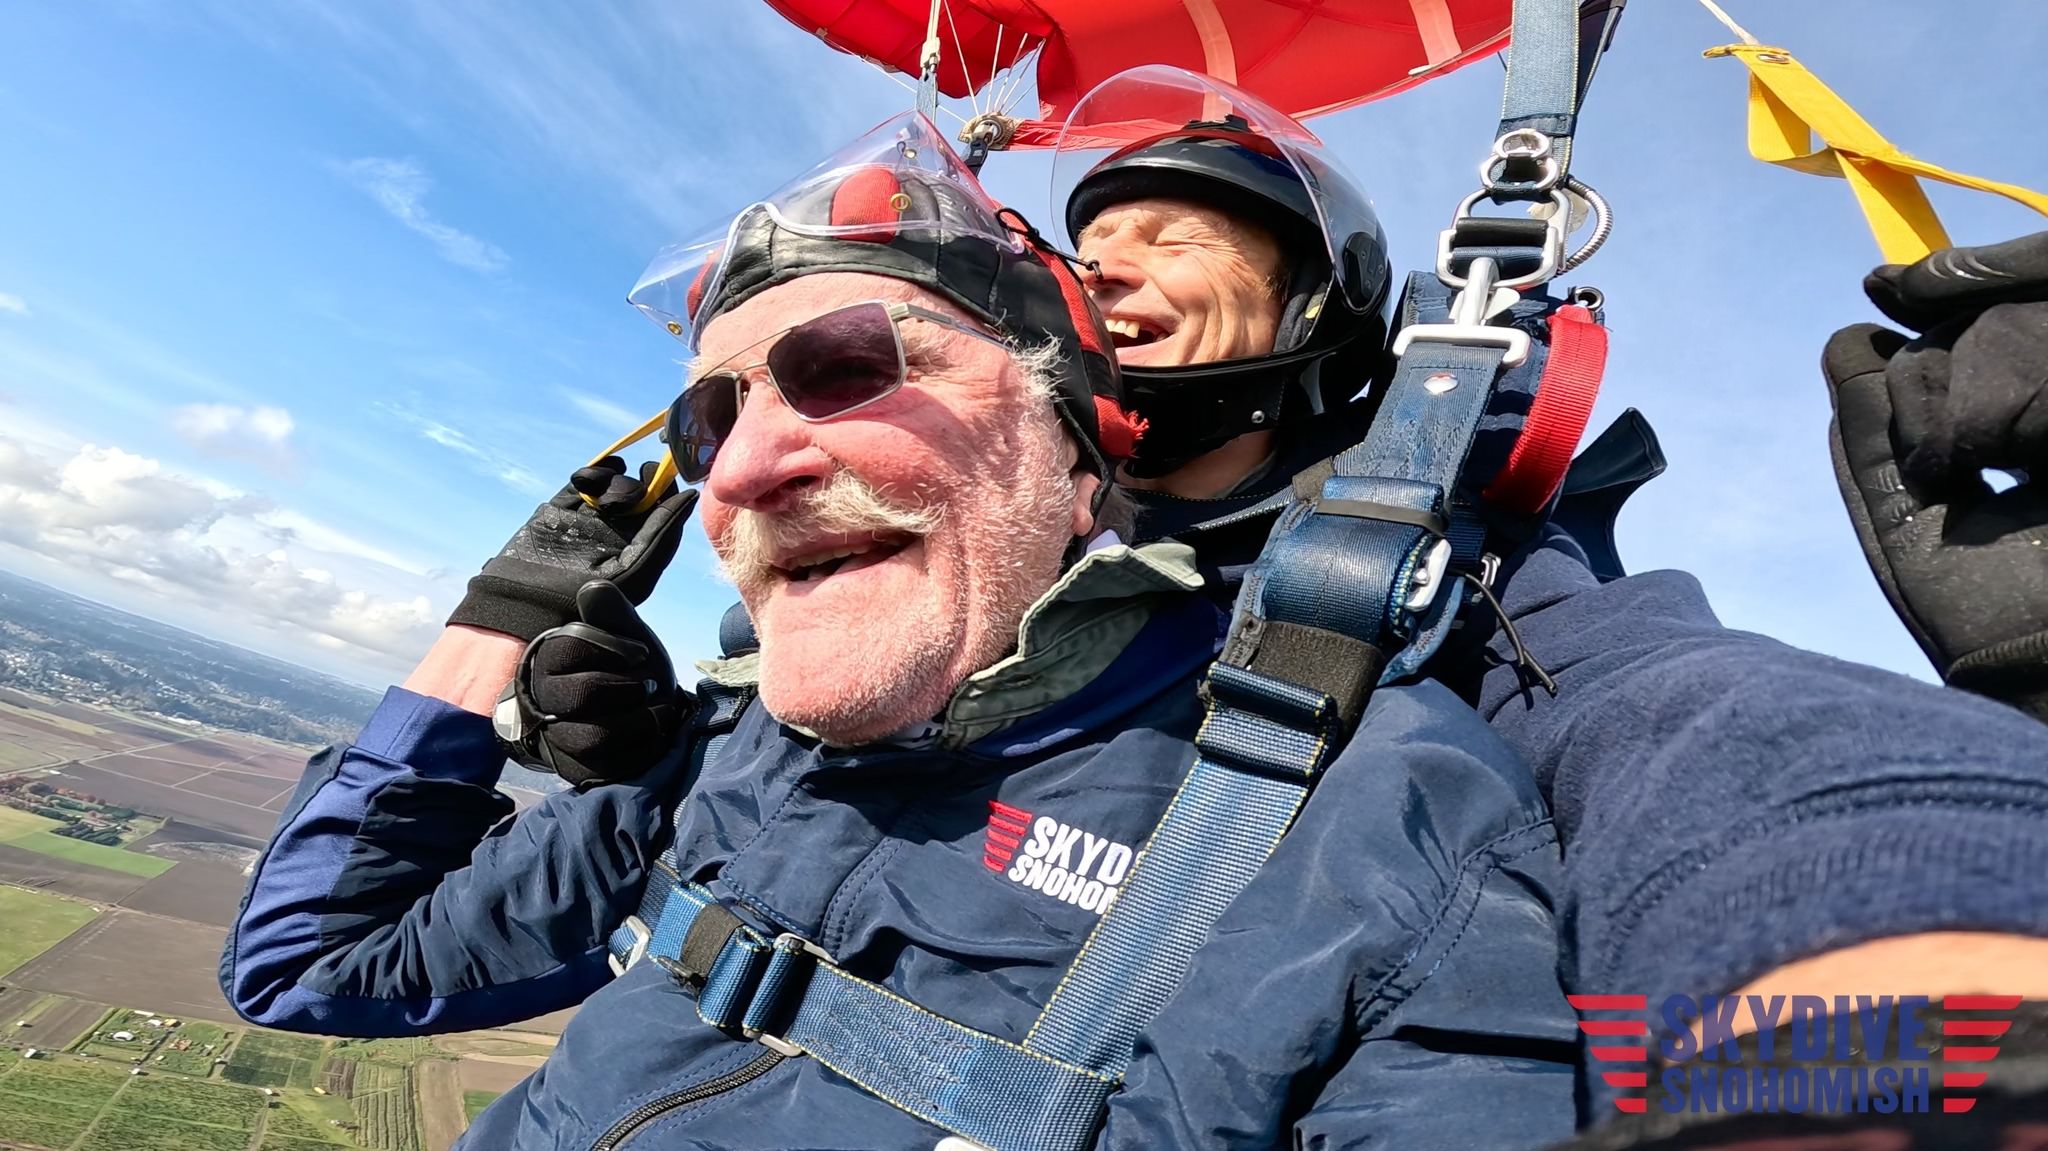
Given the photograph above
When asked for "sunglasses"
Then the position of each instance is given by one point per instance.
(823, 368)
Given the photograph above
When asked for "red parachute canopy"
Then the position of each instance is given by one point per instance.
(1305, 57)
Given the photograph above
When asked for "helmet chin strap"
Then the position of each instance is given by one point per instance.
(1191, 411)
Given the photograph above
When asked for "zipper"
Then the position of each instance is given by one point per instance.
(648, 1112)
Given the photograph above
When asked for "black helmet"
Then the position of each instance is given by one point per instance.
(1162, 132)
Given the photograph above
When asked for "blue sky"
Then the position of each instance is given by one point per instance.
(303, 305)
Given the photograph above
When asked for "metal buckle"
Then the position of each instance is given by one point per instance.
(1522, 144)
(1427, 577)
(642, 937)
(790, 941)
(1553, 243)
(1468, 320)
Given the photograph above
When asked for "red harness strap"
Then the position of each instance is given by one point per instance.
(1557, 416)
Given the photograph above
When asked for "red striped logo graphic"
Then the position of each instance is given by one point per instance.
(1975, 1049)
(1620, 1046)
(1006, 829)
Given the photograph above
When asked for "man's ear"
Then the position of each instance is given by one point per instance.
(1086, 484)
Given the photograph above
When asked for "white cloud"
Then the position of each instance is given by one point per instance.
(9, 302)
(482, 460)
(400, 188)
(602, 412)
(261, 433)
(126, 517)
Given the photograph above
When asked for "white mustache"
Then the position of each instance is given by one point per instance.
(845, 505)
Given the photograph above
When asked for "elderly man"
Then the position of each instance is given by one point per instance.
(888, 891)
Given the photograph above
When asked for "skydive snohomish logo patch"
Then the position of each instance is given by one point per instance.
(1063, 861)
(1818, 1055)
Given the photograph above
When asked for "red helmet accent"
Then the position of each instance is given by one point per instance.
(871, 195)
(1116, 430)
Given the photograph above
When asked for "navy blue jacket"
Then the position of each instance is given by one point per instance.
(1727, 804)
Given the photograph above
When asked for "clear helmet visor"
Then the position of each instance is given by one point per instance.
(1159, 123)
(901, 179)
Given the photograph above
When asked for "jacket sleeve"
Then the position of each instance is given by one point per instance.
(1729, 804)
(397, 899)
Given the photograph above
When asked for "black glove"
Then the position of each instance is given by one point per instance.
(530, 585)
(594, 701)
(1917, 421)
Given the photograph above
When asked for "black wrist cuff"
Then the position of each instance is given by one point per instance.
(517, 609)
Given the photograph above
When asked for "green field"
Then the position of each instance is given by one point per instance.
(383, 1102)
(266, 1059)
(126, 1129)
(35, 923)
(33, 833)
(305, 1118)
(187, 1101)
(51, 1100)
(474, 1102)
(397, 1052)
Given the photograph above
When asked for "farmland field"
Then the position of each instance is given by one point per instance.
(201, 891)
(64, 1081)
(474, 1102)
(30, 1120)
(128, 957)
(124, 1129)
(383, 1101)
(61, 1022)
(305, 1117)
(33, 833)
(264, 1059)
(20, 867)
(187, 1101)
(35, 923)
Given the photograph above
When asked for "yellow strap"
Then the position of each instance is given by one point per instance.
(1789, 106)
(664, 472)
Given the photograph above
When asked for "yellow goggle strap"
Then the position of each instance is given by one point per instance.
(1789, 106)
(664, 472)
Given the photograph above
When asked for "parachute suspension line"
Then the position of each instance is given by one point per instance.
(928, 65)
(1734, 29)
(915, 90)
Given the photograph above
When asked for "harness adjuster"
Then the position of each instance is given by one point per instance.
(642, 935)
(788, 946)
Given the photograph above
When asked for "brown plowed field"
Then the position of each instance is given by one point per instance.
(147, 768)
(440, 1103)
(201, 892)
(254, 790)
(483, 1075)
(158, 799)
(14, 1003)
(135, 731)
(67, 1023)
(27, 868)
(164, 965)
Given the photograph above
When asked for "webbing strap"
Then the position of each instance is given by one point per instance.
(1789, 106)
(1261, 745)
(1542, 91)
(1557, 416)
(793, 998)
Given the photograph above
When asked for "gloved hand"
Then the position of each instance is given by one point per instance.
(1917, 420)
(530, 585)
(594, 701)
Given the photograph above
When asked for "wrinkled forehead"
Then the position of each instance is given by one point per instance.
(786, 305)
(1197, 219)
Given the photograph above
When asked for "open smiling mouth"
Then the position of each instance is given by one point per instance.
(816, 567)
(1125, 333)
